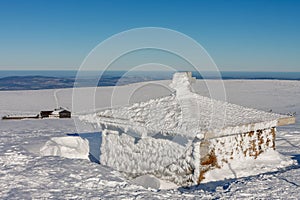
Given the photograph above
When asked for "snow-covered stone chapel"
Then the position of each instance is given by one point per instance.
(175, 139)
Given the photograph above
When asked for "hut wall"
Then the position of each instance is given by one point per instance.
(185, 170)
(163, 158)
(137, 155)
(219, 151)
(140, 156)
(65, 114)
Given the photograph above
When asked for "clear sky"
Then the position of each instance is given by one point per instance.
(262, 35)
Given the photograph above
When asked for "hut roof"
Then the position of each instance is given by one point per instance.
(61, 110)
(189, 114)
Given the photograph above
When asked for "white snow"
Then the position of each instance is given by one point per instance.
(147, 181)
(24, 175)
(68, 147)
(182, 84)
(268, 161)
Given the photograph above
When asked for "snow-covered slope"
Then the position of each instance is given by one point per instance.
(25, 175)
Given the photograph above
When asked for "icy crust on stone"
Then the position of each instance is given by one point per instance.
(185, 113)
(146, 155)
(163, 158)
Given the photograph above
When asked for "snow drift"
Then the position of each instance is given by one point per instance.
(69, 147)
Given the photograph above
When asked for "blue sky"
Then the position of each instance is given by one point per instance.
(261, 35)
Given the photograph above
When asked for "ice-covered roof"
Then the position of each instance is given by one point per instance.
(188, 113)
(57, 111)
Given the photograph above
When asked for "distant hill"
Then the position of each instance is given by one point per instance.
(48, 82)
(34, 82)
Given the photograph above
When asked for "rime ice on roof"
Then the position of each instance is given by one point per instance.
(187, 113)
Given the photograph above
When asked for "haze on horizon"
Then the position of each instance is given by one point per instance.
(239, 35)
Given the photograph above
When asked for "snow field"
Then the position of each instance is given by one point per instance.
(24, 175)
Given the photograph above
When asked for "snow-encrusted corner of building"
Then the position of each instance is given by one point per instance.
(68, 147)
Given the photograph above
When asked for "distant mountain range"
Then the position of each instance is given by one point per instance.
(67, 80)
(34, 82)
(47, 82)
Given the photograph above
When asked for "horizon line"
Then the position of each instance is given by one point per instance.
(120, 70)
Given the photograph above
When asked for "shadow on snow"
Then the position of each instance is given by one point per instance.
(95, 141)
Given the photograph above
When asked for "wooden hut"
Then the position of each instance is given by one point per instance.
(57, 113)
(45, 113)
(64, 114)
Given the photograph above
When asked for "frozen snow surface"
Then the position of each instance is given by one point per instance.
(68, 147)
(26, 174)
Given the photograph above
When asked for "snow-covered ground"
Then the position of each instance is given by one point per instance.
(25, 174)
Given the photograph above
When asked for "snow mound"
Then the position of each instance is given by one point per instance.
(268, 161)
(147, 181)
(68, 147)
